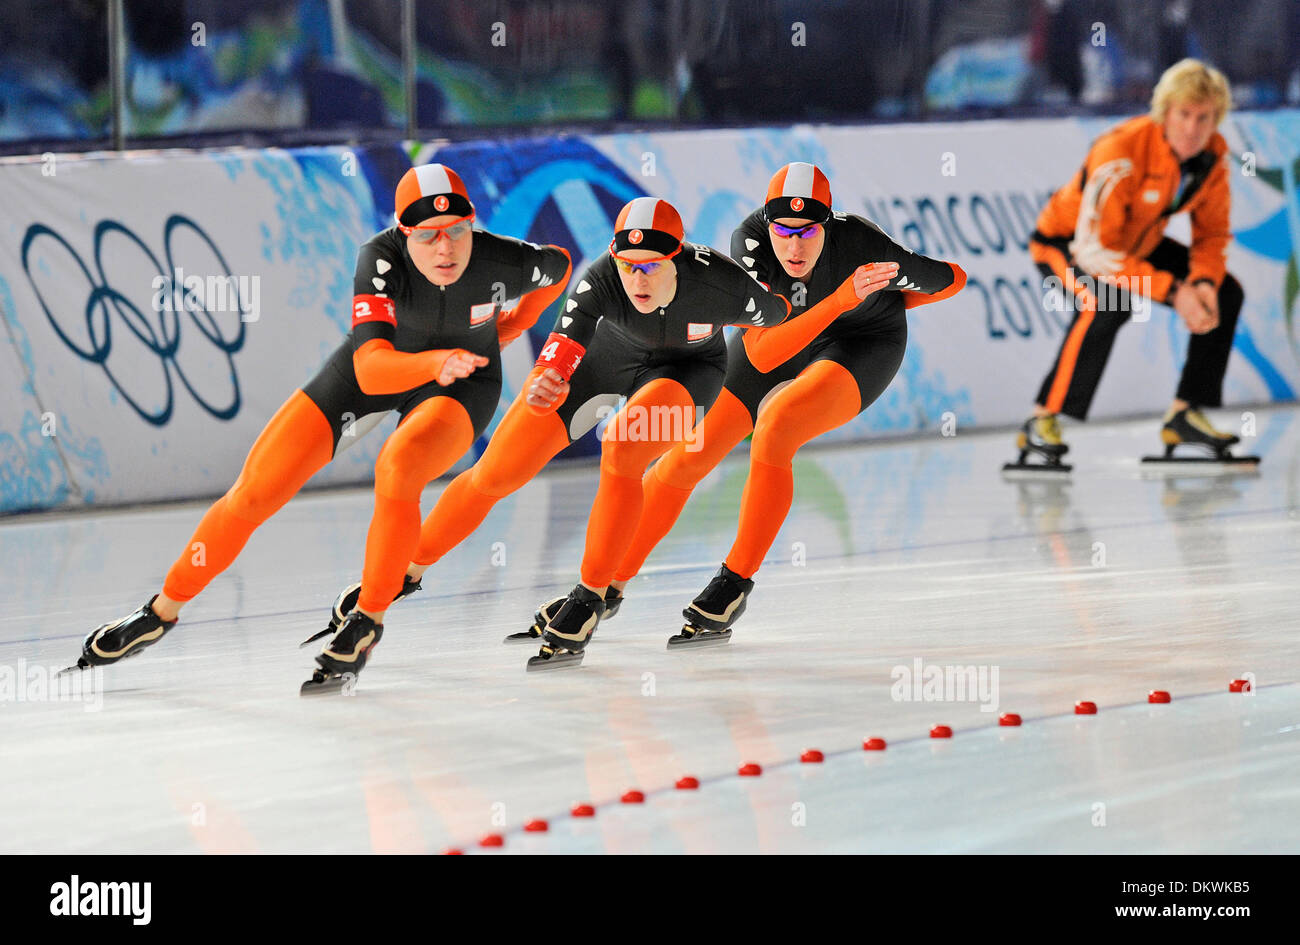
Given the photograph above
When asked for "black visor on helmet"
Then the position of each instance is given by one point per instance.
(436, 205)
(800, 208)
(656, 241)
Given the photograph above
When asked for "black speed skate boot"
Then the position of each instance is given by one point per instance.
(346, 602)
(546, 612)
(344, 656)
(122, 638)
(1189, 427)
(710, 616)
(567, 634)
(1039, 437)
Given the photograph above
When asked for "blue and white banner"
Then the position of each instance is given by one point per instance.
(159, 307)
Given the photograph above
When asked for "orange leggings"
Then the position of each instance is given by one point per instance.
(292, 447)
(522, 444)
(655, 418)
(668, 484)
(822, 397)
(424, 446)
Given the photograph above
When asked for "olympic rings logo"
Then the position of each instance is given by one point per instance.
(161, 336)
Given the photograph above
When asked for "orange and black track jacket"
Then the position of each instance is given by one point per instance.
(1114, 210)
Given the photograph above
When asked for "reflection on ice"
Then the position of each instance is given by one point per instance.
(910, 553)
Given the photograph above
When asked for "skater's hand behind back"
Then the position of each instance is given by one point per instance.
(459, 364)
(873, 277)
(548, 389)
(1189, 306)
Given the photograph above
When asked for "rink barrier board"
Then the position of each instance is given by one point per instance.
(158, 307)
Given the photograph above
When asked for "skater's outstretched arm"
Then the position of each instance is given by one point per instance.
(913, 299)
(769, 348)
(381, 369)
(921, 279)
(514, 322)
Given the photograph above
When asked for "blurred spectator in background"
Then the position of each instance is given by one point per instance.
(1256, 42)
(53, 69)
(277, 66)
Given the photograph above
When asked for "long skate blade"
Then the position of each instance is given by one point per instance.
(316, 636)
(1200, 465)
(322, 683)
(76, 667)
(1038, 471)
(523, 636)
(681, 641)
(559, 659)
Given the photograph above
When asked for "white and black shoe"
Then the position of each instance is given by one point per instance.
(710, 616)
(1041, 448)
(574, 623)
(1209, 448)
(122, 638)
(346, 602)
(567, 634)
(345, 656)
(547, 611)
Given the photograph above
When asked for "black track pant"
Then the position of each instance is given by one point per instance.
(1071, 383)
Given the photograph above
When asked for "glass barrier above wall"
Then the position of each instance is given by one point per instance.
(54, 79)
(203, 65)
(272, 69)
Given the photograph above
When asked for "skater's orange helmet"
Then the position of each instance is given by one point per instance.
(800, 191)
(430, 190)
(648, 223)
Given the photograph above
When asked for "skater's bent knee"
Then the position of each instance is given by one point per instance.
(629, 458)
(253, 502)
(421, 450)
(775, 443)
(398, 482)
(683, 468)
(402, 473)
(497, 481)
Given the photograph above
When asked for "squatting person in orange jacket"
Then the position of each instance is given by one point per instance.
(1100, 238)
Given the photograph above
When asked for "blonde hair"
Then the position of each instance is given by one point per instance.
(1191, 81)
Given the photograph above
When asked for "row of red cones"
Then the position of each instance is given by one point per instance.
(752, 769)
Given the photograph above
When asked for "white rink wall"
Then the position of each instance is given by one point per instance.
(112, 396)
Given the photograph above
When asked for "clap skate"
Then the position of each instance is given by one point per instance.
(710, 616)
(347, 601)
(345, 656)
(1206, 450)
(1039, 437)
(566, 636)
(123, 638)
(547, 611)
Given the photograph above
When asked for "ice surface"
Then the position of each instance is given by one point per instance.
(1101, 588)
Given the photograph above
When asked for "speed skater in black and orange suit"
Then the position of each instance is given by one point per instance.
(427, 328)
